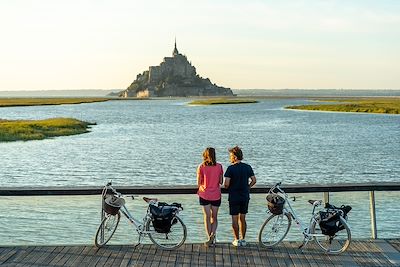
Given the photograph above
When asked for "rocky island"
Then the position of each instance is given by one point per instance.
(175, 76)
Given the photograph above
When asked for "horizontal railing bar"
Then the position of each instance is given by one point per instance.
(190, 189)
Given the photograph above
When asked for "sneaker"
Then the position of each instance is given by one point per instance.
(210, 241)
(242, 242)
(236, 243)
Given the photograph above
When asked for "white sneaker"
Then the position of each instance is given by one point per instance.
(236, 243)
(242, 242)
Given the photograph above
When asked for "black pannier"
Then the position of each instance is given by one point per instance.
(330, 220)
(163, 217)
(275, 203)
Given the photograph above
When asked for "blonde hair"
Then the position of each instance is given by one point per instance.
(209, 157)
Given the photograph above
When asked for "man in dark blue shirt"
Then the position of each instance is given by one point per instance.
(239, 178)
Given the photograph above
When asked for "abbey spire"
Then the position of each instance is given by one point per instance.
(175, 52)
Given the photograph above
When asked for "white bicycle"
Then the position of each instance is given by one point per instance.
(328, 227)
(161, 222)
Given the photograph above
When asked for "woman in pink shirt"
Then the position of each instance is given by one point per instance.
(209, 179)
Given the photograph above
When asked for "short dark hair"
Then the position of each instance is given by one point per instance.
(237, 152)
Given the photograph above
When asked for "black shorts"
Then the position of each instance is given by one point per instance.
(238, 207)
(205, 202)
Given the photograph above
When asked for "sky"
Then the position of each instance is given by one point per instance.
(249, 44)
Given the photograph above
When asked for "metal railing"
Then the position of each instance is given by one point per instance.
(190, 189)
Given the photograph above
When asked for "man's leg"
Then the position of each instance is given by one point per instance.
(235, 226)
(243, 225)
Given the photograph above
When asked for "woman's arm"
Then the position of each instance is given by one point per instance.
(199, 177)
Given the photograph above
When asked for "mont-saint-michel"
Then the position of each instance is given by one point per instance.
(175, 76)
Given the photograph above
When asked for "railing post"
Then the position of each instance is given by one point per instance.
(373, 214)
(326, 197)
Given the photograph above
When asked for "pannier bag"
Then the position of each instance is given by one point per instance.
(329, 222)
(163, 217)
(275, 203)
(330, 219)
(112, 204)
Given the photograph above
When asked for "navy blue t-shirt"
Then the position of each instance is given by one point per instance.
(239, 189)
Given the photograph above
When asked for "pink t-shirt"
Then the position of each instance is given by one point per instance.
(209, 177)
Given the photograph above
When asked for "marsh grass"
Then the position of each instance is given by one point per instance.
(375, 105)
(24, 130)
(222, 101)
(14, 102)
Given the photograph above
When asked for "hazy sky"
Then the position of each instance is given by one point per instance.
(98, 44)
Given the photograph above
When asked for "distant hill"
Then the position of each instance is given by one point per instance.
(175, 76)
(316, 92)
(59, 93)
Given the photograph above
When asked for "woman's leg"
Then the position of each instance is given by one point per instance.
(207, 219)
(214, 219)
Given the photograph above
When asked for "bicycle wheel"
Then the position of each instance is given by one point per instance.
(274, 229)
(106, 229)
(335, 244)
(172, 240)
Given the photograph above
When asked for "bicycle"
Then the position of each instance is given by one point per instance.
(333, 240)
(161, 222)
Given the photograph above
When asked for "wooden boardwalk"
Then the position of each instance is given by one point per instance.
(360, 253)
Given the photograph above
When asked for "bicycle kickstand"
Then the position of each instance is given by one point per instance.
(305, 241)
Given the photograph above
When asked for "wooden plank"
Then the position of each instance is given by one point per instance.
(292, 252)
(134, 255)
(22, 253)
(114, 252)
(100, 257)
(44, 258)
(218, 255)
(74, 253)
(233, 252)
(202, 255)
(361, 257)
(225, 254)
(256, 256)
(141, 256)
(389, 252)
(7, 253)
(267, 256)
(77, 261)
(188, 254)
(180, 256)
(89, 257)
(360, 253)
(33, 255)
(377, 253)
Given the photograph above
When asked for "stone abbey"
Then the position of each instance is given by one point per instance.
(175, 76)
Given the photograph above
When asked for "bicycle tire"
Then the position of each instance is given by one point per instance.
(109, 224)
(338, 244)
(168, 241)
(279, 224)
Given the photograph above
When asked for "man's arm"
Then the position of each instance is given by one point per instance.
(253, 181)
(227, 182)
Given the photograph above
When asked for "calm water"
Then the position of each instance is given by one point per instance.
(160, 143)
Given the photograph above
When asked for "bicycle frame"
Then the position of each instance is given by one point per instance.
(305, 230)
(138, 225)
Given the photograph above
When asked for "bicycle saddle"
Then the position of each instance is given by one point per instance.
(148, 199)
(312, 201)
